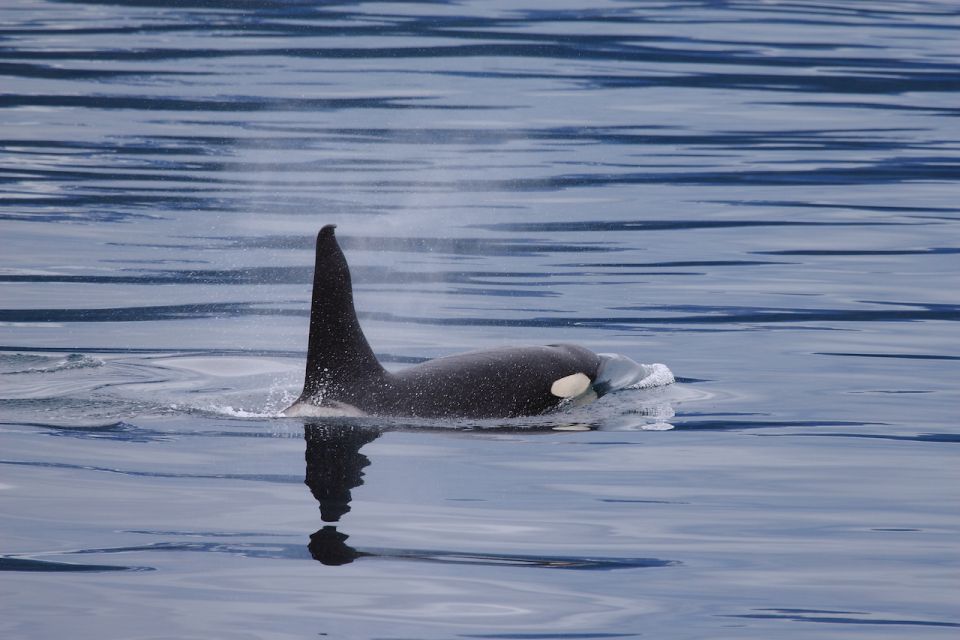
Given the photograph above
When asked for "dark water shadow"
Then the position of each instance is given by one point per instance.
(696, 316)
(939, 438)
(737, 425)
(30, 565)
(838, 617)
(550, 636)
(121, 431)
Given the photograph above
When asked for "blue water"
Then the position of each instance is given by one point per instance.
(764, 197)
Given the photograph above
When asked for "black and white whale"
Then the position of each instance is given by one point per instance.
(344, 377)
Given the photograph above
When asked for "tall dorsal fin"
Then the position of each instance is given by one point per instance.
(337, 350)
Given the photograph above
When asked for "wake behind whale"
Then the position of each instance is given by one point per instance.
(344, 377)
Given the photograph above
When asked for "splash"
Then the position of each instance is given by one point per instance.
(620, 372)
(279, 396)
(237, 412)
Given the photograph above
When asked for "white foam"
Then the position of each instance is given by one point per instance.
(657, 426)
(656, 375)
(233, 412)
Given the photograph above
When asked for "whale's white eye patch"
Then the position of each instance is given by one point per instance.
(570, 386)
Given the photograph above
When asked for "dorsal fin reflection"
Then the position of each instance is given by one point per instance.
(335, 468)
(335, 464)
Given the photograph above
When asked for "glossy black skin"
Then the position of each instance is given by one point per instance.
(496, 383)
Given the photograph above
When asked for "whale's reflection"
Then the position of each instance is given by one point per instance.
(330, 547)
(335, 464)
(335, 468)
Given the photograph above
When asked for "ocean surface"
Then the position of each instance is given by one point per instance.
(761, 197)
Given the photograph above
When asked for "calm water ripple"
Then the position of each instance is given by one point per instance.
(761, 195)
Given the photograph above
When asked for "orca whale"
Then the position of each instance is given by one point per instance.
(344, 377)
